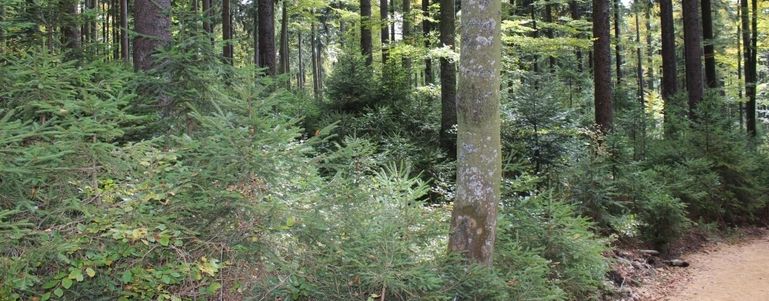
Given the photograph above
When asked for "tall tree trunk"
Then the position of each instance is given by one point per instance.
(548, 19)
(407, 34)
(751, 88)
(385, 29)
(693, 54)
(426, 28)
(124, 30)
(709, 51)
(474, 218)
(366, 45)
(649, 48)
(604, 110)
(300, 82)
(618, 40)
(740, 83)
(267, 36)
(152, 24)
(70, 28)
(313, 46)
(639, 153)
(255, 30)
(227, 49)
(448, 81)
(392, 24)
(207, 17)
(283, 64)
(669, 74)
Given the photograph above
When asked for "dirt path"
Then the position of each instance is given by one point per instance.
(724, 272)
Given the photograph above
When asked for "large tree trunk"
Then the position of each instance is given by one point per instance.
(124, 30)
(709, 51)
(693, 54)
(604, 111)
(618, 40)
(227, 50)
(669, 77)
(366, 45)
(426, 28)
(152, 24)
(385, 30)
(70, 28)
(267, 36)
(474, 218)
(448, 81)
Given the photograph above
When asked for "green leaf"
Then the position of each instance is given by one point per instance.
(164, 241)
(90, 272)
(214, 287)
(66, 283)
(45, 297)
(76, 275)
(58, 292)
(127, 277)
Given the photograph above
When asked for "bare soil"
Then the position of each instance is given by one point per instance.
(717, 272)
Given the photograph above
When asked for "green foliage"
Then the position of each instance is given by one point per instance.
(351, 86)
(553, 231)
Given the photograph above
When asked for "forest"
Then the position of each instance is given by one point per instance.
(359, 150)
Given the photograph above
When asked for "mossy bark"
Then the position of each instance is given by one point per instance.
(473, 225)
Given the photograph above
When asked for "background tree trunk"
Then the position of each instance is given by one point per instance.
(70, 29)
(426, 28)
(284, 66)
(474, 218)
(366, 45)
(669, 73)
(604, 111)
(267, 36)
(227, 50)
(153, 27)
(709, 50)
(693, 54)
(385, 30)
(618, 40)
(751, 66)
(124, 30)
(448, 81)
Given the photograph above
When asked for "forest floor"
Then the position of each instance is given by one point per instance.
(722, 270)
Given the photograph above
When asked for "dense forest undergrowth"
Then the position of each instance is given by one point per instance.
(196, 178)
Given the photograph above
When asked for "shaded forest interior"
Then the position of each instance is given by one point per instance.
(359, 150)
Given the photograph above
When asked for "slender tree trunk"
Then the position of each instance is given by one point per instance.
(207, 13)
(639, 74)
(740, 83)
(752, 66)
(152, 24)
(649, 48)
(115, 16)
(407, 35)
(366, 44)
(313, 46)
(604, 110)
(267, 36)
(255, 30)
(385, 30)
(448, 81)
(300, 83)
(548, 19)
(283, 64)
(227, 49)
(618, 41)
(392, 24)
(124, 30)
(668, 41)
(693, 54)
(426, 28)
(474, 218)
(709, 51)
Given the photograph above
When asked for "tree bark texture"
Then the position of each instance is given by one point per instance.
(693, 54)
(267, 36)
(366, 44)
(604, 111)
(474, 217)
(124, 30)
(152, 25)
(227, 49)
(668, 41)
(448, 81)
(709, 49)
(426, 28)
(618, 40)
(384, 32)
